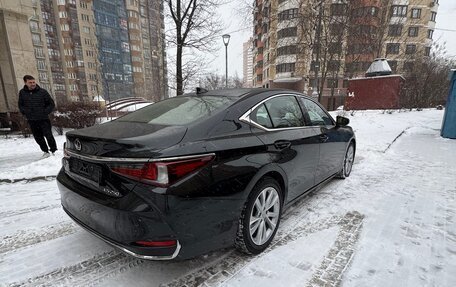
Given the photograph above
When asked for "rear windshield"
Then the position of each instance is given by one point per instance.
(178, 110)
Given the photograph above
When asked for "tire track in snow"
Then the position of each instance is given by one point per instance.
(396, 138)
(329, 273)
(7, 214)
(86, 273)
(28, 180)
(24, 238)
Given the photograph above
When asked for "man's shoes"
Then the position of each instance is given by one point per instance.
(45, 155)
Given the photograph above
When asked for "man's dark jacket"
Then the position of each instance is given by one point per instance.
(35, 104)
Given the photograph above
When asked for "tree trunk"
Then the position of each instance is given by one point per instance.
(179, 80)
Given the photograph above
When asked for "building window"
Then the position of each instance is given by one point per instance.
(288, 14)
(39, 53)
(41, 65)
(410, 49)
(63, 14)
(36, 39)
(365, 11)
(416, 13)
(287, 32)
(60, 2)
(430, 33)
(433, 15)
(286, 67)
(86, 29)
(427, 51)
(85, 17)
(43, 76)
(399, 10)
(395, 30)
(83, 5)
(413, 32)
(392, 48)
(34, 26)
(65, 27)
(286, 50)
(45, 15)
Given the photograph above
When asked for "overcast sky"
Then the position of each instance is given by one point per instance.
(240, 33)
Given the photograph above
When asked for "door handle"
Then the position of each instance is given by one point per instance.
(280, 145)
(323, 138)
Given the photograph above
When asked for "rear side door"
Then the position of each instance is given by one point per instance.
(279, 123)
(332, 145)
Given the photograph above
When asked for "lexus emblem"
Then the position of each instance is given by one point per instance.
(77, 144)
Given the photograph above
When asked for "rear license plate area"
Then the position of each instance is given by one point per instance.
(86, 169)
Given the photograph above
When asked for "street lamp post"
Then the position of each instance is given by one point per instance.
(226, 40)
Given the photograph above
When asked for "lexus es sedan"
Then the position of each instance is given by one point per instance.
(201, 171)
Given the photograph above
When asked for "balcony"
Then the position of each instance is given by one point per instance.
(287, 77)
(259, 57)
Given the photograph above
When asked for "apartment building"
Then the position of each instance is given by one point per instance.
(146, 30)
(79, 49)
(17, 53)
(247, 63)
(157, 49)
(314, 46)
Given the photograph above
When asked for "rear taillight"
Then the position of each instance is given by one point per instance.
(161, 173)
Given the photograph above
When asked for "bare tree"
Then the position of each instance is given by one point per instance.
(213, 81)
(324, 26)
(195, 26)
(427, 83)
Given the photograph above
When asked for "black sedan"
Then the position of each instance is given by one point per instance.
(201, 171)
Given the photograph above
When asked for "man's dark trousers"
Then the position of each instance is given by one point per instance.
(42, 129)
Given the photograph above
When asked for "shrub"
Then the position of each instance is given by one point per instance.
(74, 115)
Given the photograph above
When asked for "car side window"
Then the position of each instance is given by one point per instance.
(260, 116)
(317, 115)
(284, 112)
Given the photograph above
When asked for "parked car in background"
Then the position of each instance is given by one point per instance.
(201, 171)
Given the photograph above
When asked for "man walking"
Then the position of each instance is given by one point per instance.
(36, 104)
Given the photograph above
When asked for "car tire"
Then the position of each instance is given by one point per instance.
(260, 217)
(347, 164)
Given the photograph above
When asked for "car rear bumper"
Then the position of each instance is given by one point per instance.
(119, 223)
(198, 225)
(125, 249)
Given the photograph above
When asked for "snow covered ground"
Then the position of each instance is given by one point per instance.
(391, 223)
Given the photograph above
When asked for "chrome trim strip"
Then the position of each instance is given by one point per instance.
(129, 159)
(129, 252)
(246, 116)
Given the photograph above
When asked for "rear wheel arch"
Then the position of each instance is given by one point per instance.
(273, 171)
(280, 180)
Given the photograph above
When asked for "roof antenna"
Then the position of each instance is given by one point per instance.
(200, 90)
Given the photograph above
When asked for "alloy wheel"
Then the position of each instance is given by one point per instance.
(264, 216)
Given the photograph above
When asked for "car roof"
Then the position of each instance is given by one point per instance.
(238, 93)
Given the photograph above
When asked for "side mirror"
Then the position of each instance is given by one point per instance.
(342, 121)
